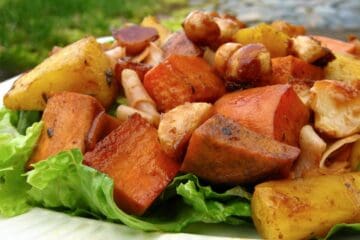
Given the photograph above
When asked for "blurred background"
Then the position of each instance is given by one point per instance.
(30, 28)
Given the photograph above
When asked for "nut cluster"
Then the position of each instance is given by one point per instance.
(243, 64)
(211, 29)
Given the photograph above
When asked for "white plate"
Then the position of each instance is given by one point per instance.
(45, 224)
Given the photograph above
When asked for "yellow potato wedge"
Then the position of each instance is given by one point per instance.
(276, 42)
(81, 67)
(345, 68)
(306, 207)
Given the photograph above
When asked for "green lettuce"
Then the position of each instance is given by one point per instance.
(26, 119)
(62, 182)
(343, 229)
(15, 149)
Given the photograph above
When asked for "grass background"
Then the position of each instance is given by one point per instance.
(30, 28)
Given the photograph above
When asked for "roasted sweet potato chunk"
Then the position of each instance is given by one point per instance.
(222, 151)
(181, 79)
(336, 45)
(179, 44)
(67, 119)
(275, 111)
(102, 125)
(294, 70)
(135, 38)
(132, 156)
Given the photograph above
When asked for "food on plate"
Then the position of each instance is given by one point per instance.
(210, 29)
(306, 207)
(180, 79)
(310, 50)
(102, 125)
(344, 68)
(288, 28)
(67, 119)
(179, 44)
(132, 156)
(294, 71)
(224, 152)
(81, 67)
(222, 55)
(342, 149)
(178, 124)
(336, 45)
(312, 148)
(123, 112)
(139, 68)
(276, 42)
(135, 38)
(337, 108)
(159, 130)
(300, 74)
(114, 54)
(136, 94)
(274, 111)
(243, 64)
(153, 22)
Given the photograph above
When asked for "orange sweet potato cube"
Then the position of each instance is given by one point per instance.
(275, 111)
(294, 70)
(225, 152)
(336, 45)
(179, 79)
(67, 119)
(132, 156)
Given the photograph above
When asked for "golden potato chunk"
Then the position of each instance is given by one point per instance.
(276, 42)
(306, 207)
(81, 67)
(177, 125)
(344, 68)
(337, 108)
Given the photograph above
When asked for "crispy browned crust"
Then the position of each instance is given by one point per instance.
(224, 152)
(67, 119)
(131, 155)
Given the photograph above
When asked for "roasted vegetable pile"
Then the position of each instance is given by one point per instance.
(218, 122)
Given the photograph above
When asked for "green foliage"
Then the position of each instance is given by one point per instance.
(63, 183)
(15, 150)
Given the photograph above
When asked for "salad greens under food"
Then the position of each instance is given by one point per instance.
(64, 184)
(218, 102)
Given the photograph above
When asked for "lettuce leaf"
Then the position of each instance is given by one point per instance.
(26, 119)
(62, 182)
(15, 150)
(350, 229)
